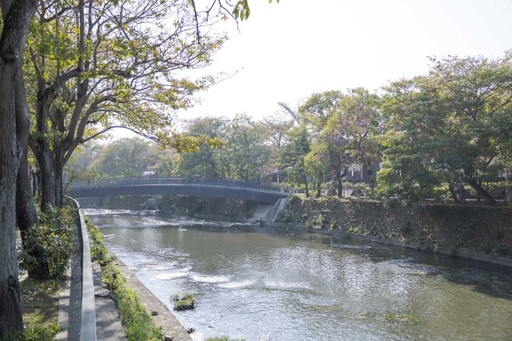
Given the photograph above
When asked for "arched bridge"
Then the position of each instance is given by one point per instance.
(242, 190)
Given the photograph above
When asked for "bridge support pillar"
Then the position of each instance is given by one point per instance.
(151, 204)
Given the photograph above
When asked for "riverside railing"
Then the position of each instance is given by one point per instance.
(88, 311)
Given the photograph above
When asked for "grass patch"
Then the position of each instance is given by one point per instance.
(136, 321)
(40, 302)
(187, 302)
(34, 333)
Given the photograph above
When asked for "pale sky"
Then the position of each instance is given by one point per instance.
(287, 51)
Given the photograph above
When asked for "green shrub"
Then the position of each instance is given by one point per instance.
(405, 227)
(35, 333)
(55, 237)
(186, 302)
(99, 252)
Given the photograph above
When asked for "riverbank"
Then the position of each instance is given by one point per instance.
(143, 316)
(479, 233)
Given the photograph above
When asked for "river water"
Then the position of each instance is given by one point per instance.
(300, 286)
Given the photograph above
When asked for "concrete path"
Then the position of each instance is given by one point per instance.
(108, 321)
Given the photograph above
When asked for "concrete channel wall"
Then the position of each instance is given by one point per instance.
(88, 309)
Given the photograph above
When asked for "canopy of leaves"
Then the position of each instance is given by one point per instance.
(450, 126)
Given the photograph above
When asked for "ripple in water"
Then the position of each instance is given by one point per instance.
(209, 279)
(238, 285)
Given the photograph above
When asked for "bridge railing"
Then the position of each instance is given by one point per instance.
(180, 180)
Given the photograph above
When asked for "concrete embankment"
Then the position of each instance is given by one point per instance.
(475, 232)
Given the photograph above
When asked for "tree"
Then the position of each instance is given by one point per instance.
(314, 115)
(16, 17)
(292, 157)
(126, 158)
(318, 109)
(79, 165)
(203, 162)
(244, 153)
(344, 127)
(121, 72)
(276, 131)
(449, 127)
(349, 134)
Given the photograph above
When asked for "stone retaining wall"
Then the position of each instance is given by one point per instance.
(481, 229)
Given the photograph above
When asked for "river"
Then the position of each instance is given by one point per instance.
(301, 286)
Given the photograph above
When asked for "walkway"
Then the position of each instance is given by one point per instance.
(243, 190)
(108, 322)
(86, 309)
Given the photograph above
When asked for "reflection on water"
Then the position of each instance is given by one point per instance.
(262, 286)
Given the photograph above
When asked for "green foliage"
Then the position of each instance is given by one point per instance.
(127, 158)
(292, 156)
(134, 317)
(446, 128)
(99, 252)
(242, 11)
(344, 129)
(204, 161)
(239, 151)
(186, 302)
(244, 155)
(55, 235)
(34, 333)
(405, 227)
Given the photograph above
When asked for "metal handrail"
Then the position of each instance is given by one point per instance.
(179, 180)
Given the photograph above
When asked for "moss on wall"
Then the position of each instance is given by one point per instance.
(482, 229)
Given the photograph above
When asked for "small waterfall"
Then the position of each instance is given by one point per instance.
(151, 205)
(276, 210)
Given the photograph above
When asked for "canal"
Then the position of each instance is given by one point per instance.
(268, 285)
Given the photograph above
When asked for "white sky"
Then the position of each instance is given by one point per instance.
(287, 51)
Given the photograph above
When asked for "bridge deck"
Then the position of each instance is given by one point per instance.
(249, 191)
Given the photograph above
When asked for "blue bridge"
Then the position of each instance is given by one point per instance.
(242, 190)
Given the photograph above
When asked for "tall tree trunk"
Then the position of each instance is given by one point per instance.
(26, 216)
(339, 183)
(453, 192)
(318, 188)
(16, 17)
(508, 195)
(482, 192)
(508, 188)
(26, 211)
(10, 307)
(306, 185)
(40, 145)
(59, 175)
(45, 162)
(339, 180)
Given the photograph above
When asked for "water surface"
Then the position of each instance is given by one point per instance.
(272, 286)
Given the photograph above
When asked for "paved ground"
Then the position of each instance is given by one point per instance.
(108, 322)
